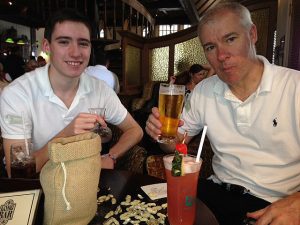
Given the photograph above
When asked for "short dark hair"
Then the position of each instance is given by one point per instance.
(195, 68)
(185, 77)
(65, 14)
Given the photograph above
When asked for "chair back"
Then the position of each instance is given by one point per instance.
(155, 166)
(2, 168)
(134, 159)
(138, 103)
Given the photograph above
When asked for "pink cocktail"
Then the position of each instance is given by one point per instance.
(182, 191)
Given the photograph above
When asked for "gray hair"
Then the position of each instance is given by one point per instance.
(241, 11)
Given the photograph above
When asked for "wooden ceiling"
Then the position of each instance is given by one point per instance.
(34, 13)
(202, 5)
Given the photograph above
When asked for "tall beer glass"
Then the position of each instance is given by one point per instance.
(170, 105)
(182, 190)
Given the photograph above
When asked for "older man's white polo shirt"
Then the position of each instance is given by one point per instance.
(45, 114)
(256, 142)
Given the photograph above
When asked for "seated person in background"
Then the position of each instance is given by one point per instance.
(101, 71)
(252, 110)
(31, 65)
(14, 63)
(190, 79)
(41, 61)
(53, 100)
(195, 74)
(3, 78)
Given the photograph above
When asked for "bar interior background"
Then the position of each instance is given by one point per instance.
(134, 32)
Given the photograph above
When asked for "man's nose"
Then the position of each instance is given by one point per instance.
(222, 53)
(74, 50)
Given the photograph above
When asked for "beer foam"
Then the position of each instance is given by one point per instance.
(189, 163)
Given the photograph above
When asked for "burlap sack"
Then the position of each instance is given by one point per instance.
(70, 180)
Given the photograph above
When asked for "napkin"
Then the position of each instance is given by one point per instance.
(155, 191)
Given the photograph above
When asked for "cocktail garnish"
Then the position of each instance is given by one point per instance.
(180, 152)
(176, 164)
(182, 148)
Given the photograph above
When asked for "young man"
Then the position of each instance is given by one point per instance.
(252, 110)
(53, 100)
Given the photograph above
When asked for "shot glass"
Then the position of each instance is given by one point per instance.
(98, 129)
(23, 164)
(182, 190)
(170, 105)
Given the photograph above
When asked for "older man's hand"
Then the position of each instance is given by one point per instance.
(153, 125)
(285, 211)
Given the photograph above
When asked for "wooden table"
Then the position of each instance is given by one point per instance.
(119, 183)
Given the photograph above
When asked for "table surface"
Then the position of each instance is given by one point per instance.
(116, 182)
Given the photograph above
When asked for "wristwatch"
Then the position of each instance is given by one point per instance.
(113, 157)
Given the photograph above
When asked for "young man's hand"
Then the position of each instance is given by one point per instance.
(107, 162)
(83, 122)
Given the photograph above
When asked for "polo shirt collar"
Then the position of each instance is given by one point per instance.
(267, 77)
(43, 79)
(222, 89)
(45, 86)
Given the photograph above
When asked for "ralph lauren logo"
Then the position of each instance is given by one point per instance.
(189, 201)
(7, 211)
(275, 122)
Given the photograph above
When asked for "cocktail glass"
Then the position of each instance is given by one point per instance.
(182, 190)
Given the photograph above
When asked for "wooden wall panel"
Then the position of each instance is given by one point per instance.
(294, 56)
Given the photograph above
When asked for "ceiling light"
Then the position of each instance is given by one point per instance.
(10, 3)
(9, 40)
(21, 42)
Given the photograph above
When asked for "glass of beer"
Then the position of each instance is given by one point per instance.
(182, 190)
(23, 164)
(170, 105)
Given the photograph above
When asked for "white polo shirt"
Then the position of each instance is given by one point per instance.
(44, 113)
(256, 143)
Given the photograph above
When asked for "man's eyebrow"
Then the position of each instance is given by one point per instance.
(84, 39)
(207, 44)
(69, 38)
(224, 37)
(229, 34)
(62, 37)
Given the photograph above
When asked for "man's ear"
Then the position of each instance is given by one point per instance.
(253, 33)
(45, 46)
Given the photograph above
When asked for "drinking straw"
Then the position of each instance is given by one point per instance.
(24, 131)
(201, 143)
(172, 80)
(184, 136)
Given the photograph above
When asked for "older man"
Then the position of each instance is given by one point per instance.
(252, 110)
